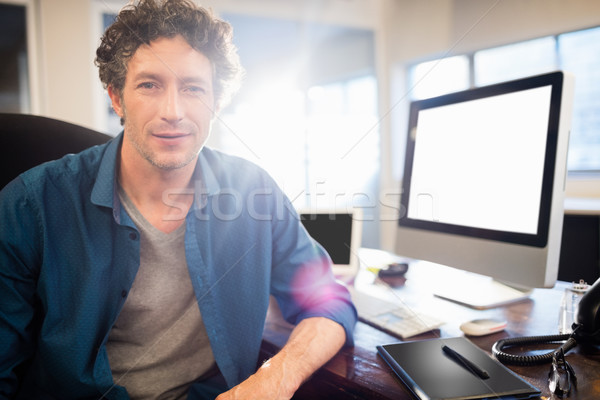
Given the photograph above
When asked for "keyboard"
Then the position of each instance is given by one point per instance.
(393, 318)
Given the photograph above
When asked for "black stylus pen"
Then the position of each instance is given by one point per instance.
(466, 363)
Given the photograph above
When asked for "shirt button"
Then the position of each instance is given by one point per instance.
(124, 293)
(133, 236)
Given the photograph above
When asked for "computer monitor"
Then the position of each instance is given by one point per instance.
(340, 233)
(483, 185)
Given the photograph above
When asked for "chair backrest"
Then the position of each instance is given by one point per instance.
(29, 140)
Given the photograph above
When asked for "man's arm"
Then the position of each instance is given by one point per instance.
(313, 342)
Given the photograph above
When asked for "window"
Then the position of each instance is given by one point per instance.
(514, 61)
(318, 144)
(307, 112)
(434, 78)
(14, 75)
(579, 53)
(576, 52)
(342, 151)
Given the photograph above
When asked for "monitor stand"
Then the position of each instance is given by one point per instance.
(480, 292)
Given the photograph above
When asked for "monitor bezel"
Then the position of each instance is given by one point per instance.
(343, 272)
(540, 238)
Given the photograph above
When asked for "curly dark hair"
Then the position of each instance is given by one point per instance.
(149, 20)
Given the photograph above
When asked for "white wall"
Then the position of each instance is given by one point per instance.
(66, 60)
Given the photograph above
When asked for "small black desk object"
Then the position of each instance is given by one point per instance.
(465, 362)
(434, 373)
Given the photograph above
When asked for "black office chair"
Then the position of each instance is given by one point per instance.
(29, 140)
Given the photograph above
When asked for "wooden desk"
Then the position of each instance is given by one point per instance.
(359, 373)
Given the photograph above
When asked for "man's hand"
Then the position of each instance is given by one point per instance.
(312, 343)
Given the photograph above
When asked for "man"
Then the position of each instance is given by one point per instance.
(143, 268)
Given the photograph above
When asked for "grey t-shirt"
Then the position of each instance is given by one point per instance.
(158, 346)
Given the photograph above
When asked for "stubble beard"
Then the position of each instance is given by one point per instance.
(150, 156)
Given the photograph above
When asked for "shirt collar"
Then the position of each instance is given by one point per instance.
(104, 192)
(205, 175)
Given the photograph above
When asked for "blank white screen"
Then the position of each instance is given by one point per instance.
(480, 163)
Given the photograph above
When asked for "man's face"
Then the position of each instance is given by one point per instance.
(167, 103)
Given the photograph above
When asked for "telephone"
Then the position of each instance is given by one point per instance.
(588, 316)
(586, 331)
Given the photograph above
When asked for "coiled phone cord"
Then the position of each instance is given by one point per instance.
(569, 343)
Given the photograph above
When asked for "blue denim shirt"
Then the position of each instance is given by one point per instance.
(69, 254)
